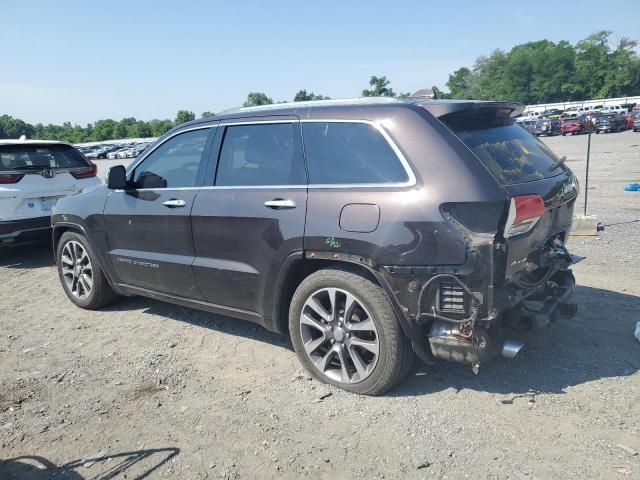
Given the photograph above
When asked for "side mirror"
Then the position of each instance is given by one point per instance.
(117, 178)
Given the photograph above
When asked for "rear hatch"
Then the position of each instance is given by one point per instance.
(541, 190)
(33, 176)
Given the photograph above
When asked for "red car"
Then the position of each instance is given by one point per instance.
(573, 125)
(630, 119)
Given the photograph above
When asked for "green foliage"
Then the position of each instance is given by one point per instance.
(184, 116)
(257, 98)
(380, 88)
(303, 96)
(13, 127)
(107, 129)
(207, 114)
(549, 72)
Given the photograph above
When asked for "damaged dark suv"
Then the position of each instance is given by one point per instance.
(369, 230)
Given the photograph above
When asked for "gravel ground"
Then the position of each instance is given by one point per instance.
(146, 388)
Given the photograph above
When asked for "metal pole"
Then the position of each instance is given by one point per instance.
(586, 181)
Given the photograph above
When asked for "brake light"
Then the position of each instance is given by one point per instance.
(10, 177)
(92, 172)
(524, 213)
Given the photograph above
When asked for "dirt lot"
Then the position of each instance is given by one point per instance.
(147, 388)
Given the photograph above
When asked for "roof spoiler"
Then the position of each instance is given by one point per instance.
(441, 108)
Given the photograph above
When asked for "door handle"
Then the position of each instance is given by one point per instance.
(174, 203)
(280, 204)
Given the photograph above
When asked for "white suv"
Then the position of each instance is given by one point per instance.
(613, 109)
(34, 174)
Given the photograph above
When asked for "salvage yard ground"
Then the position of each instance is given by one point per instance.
(144, 387)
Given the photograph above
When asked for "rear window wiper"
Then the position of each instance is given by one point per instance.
(558, 162)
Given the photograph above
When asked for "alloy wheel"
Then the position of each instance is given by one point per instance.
(339, 335)
(76, 269)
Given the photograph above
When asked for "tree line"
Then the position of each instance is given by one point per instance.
(530, 73)
(549, 72)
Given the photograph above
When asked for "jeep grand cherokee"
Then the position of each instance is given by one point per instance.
(368, 230)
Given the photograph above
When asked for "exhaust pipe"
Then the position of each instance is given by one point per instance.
(510, 348)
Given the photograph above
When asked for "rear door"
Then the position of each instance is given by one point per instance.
(252, 214)
(523, 165)
(149, 225)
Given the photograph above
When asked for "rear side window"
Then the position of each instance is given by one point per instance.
(39, 157)
(510, 153)
(349, 153)
(260, 155)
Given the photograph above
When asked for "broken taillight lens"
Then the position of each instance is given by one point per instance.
(10, 177)
(524, 213)
(86, 173)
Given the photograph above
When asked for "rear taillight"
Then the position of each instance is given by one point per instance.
(91, 172)
(10, 177)
(524, 213)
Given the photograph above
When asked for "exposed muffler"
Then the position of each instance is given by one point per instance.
(511, 348)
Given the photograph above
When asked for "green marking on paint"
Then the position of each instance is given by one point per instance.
(332, 242)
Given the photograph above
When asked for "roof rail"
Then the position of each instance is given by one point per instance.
(315, 103)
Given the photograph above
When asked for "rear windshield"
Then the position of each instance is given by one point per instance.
(39, 157)
(510, 153)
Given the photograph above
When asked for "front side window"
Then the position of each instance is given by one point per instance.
(349, 153)
(175, 163)
(260, 155)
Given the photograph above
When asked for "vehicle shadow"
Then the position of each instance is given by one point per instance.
(212, 321)
(107, 466)
(598, 343)
(28, 255)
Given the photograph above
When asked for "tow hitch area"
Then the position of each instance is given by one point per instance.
(558, 304)
(465, 315)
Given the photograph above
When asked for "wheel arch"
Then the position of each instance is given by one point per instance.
(295, 270)
(60, 228)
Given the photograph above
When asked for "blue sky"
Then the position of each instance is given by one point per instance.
(81, 61)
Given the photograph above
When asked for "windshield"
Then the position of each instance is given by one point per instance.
(510, 153)
(39, 157)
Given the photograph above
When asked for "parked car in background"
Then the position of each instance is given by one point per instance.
(636, 121)
(576, 111)
(34, 175)
(610, 122)
(329, 223)
(528, 124)
(629, 118)
(553, 113)
(573, 125)
(547, 126)
(612, 109)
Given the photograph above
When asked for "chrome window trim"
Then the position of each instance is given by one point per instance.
(133, 166)
(411, 181)
(377, 125)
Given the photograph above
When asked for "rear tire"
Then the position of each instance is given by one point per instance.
(80, 273)
(337, 320)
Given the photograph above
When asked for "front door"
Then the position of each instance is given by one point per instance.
(254, 216)
(148, 225)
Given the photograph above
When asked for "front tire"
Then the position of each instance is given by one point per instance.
(345, 333)
(80, 273)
